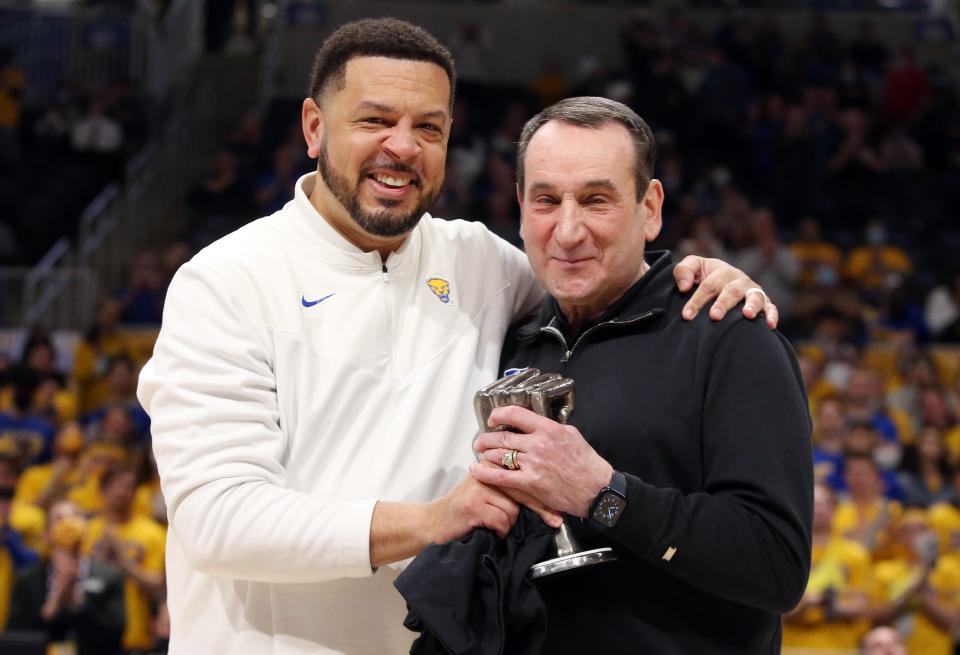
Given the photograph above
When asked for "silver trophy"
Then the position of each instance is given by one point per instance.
(550, 395)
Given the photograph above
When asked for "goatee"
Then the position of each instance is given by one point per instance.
(384, 222)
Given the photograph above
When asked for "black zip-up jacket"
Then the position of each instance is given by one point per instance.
(709, 422)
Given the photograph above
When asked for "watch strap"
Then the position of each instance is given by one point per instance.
(617, 484)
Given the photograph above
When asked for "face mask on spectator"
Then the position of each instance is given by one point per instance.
(826, 276)
(876, 235)
(837, 374)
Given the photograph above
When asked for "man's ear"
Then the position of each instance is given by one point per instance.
(520, 204)
(311, 120)
(652, 209)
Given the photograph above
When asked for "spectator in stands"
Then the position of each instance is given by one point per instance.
(819, 259)
(834, 611)
(20, 527)
(52, 128)
(96, 132)
(28, 520)
(223, 192)
(883, 640)
(906, 88)
(768, 262)
(42, 484)
(115, 427)
(829, 433)
(703, 238)
(898, 318)
(12, 82)
(916, 371)
(97, 459)
(22, 426)
(925, 472)
(122, 385)
(141, 301)
(866, 516)
(945, 517)
(942, 310)
(135, 544)
(174, 256)
(866, 401)
(148, 500)
(500, 216)
(272, 189)
(917, 590)
(854, 166)
(68, 595)
(869, 265)
(93, 353)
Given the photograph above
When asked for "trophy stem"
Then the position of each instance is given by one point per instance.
(565, 542)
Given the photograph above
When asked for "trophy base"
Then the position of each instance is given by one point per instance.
(572, 561)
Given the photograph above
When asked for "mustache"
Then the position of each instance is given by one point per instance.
(393, 166)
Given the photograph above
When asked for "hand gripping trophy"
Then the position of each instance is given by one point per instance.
(550, 395)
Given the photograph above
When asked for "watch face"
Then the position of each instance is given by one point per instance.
(608, 508)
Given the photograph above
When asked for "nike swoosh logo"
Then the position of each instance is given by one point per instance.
(311, 303)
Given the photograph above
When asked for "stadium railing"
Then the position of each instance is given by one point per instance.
(62, 289)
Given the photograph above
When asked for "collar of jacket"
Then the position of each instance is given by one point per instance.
(330, 246)
(646, 299)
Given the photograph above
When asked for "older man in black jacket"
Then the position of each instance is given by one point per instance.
(689, 449)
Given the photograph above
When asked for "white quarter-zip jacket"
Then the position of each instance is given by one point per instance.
(296, 381)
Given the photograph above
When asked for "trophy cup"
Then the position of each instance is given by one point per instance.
(550, 395)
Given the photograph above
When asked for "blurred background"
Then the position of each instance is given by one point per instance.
(815, 144)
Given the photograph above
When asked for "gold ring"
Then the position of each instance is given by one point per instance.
(509, 460)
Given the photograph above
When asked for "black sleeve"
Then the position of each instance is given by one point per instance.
(26, 599)
(746, 536)
(104, 615)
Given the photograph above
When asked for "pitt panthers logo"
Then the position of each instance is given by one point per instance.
(440, 288)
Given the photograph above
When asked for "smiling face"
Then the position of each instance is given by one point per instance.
(582, 224)
(381, 143)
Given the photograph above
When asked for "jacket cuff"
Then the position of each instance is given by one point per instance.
(353, 527)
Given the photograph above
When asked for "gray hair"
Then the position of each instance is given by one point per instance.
(592, 111)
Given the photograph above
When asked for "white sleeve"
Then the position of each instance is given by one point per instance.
(528, 295)
(210, 391)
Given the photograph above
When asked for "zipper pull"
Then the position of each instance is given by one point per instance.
(566, 357)
(384, 271)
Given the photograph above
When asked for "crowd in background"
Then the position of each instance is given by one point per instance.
(827, 169)
(57, 151)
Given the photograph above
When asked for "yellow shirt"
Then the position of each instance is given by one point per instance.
(7, 576)
(11, 82)
(923, 635)
(145, 540)
(811, 255)
(945, 520)
(89, 369)
(31, 523)
(145, 503)
(870, 527)
(35, 480)
(843, 566)
(866, 266)
(87, 495)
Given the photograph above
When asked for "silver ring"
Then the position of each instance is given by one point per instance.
(766, 298)
(509, 460)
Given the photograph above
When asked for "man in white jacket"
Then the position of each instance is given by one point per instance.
(311, 386)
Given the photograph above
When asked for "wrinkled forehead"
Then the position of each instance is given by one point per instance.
(575, 155)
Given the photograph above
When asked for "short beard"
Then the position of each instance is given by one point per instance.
(382, 223)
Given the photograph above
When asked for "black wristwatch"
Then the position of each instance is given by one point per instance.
(609, 504)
